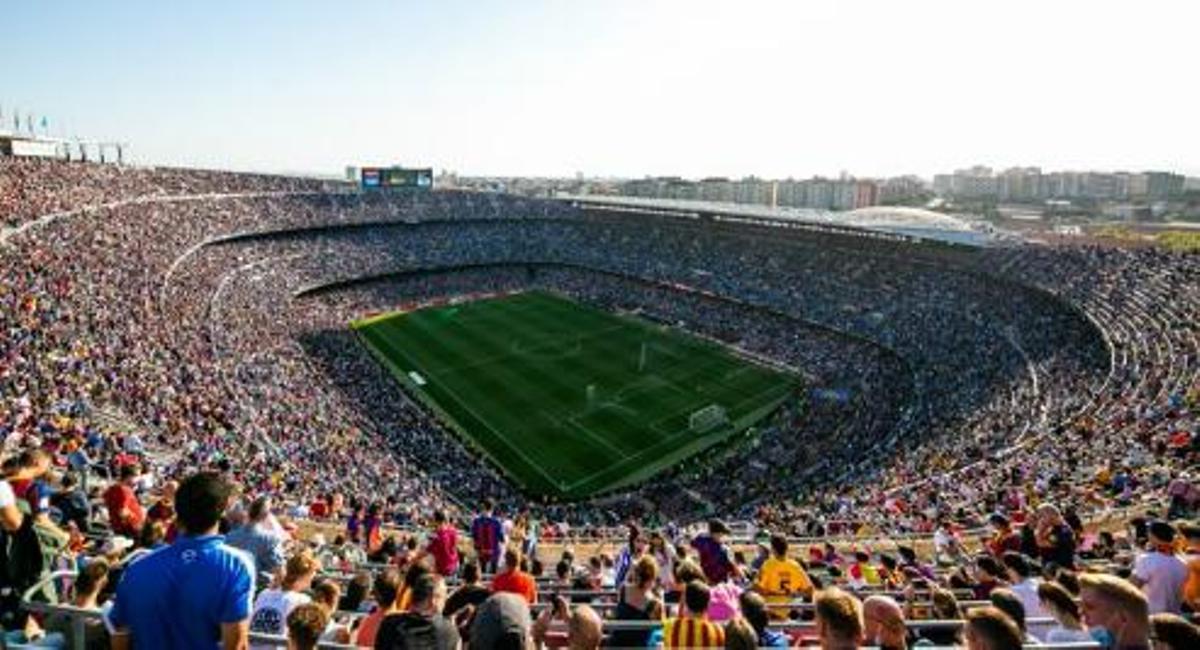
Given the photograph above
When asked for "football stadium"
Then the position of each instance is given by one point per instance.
(406, 407)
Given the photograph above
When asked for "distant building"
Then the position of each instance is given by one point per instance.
(1161, 186)
(821, 193)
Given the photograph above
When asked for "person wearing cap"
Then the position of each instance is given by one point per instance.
(715, 558)
(1159, 572)
(1191, 556)
(502, 622)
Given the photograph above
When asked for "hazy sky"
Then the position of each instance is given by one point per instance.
(617, 88)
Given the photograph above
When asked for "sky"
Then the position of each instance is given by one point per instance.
(616, 88)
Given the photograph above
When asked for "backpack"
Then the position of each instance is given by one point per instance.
(407, 631)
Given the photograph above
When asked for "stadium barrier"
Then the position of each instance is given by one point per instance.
(79, 618)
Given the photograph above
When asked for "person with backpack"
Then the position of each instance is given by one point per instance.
(422, 627)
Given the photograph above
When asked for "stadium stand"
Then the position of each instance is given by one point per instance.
(984, 430)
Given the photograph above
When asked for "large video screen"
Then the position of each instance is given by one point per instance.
(397, 177)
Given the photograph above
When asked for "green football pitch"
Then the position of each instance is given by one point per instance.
(568, 400)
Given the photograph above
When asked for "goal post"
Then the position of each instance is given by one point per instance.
(708, 418)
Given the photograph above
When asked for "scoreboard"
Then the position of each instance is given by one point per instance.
(396, 178)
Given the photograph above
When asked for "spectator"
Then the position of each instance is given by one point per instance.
(839, 620)
(260, 539)
(470, 594)
(195, 593)
(487, 535)
(1055, 538)
(634, 548)
(513, 579)
(692, 629)
(883, 623)
(1173, 632)
(11, 516)
(715, 557)
(1065, 611)
(273, 605)
(754, 610)
(1003, 540)
(443, 545)
(356, 593)
(739, 635)
(585, 630)
(502, 623)
(637, 600)
(1160, 572)
(781, 578)
(163, 509)
(305, 623)
(72, 503)
(125, 513)
(1191, 587)
(989, 628)
(1024, 584)
(989, 575)
(1116, 610)
(386, 588)
(1010, 603)
(423, 625)
(328, 594)
(90, 582)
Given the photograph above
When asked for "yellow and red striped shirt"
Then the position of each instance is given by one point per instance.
(689, 632)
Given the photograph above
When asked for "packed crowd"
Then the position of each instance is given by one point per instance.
(149, 561)
(206, 347)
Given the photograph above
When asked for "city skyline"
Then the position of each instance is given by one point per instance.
(621, 89)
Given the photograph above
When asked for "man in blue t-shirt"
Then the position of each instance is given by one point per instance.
(195, 593)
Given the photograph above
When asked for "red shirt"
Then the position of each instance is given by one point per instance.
(444, 549)
(516, 582)
(120, 498)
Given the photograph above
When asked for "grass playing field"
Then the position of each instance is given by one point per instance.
(512, 375)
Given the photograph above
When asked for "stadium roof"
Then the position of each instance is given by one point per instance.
(912, 222)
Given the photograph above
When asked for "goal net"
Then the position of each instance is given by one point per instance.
(707, 418)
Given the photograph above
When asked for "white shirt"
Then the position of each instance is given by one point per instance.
(7, 496)
(1060, 634)
(271, 610)
(1162, 578)
(1026, 590)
